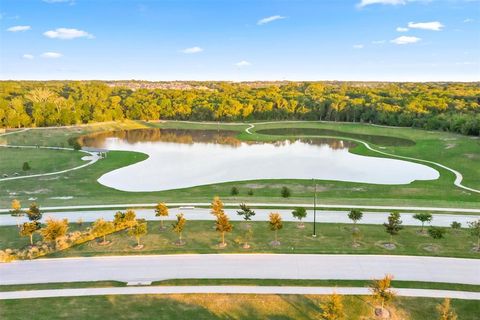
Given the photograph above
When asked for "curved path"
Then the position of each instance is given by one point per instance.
(458, 175)
(241, 266)
(92, 156)
(377, 218)
(424, 293)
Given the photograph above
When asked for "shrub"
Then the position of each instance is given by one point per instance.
(285, 192)
(26, 166)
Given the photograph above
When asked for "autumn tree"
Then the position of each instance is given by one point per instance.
(275, 223)
(423, 217)
(382, 290)
(138, 231)
(161, 210)
(445, 311)
(332, 309)
(101, 228)
(223, 225)
(27, 229)
(33, 212)
(393, 225)
(216, 207)
(16, 210)
(178, 227)
(54, 230)
(300, 213)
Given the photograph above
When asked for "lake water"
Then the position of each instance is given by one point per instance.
(182, 158)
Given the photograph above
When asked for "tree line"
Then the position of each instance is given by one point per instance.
(453, 107)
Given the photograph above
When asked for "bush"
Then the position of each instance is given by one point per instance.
(285, 192)
(456, 225)
(26, 166)
(250, 192)
(234, 191)
(436, 233)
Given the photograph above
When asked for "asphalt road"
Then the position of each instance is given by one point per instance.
(241, 266)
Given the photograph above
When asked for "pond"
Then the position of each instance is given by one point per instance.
(183, 158)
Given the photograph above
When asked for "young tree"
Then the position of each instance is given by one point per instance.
(234, 191)
(423, 217)
(33, 212)
(275, 223)
(285, 192)
(300, 213)
(125, 219)
(161, 210)
(455, 225)
(216, 207)
(332, 309)
(223, 225)
(16, 210)
(54, 229)
(130, 218)
(246, 212)
(475, 232)
(178, 227)
(27, 229)
(394, 225)
(101, 228)
(355, 215)
(445, 311)
(382, 289)
(137, 231)
(436, 233)
(26, 166)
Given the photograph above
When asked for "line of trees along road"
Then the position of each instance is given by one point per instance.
(453, 107)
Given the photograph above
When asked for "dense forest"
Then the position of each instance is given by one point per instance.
(453, 107)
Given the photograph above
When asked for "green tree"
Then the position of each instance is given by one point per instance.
(455, 225)
(234, 191)
(436, 233)
(27, 229)
(33, 212)
(332, 309)
(423, 217)
(300, 213)
(445, 311)
(246, 212)
(26, 166)
(394, 225)
(161, 210)
(474, 227)
(275, 223)
(285, 192)
(101, 228)
(223, 225)
(54, 230)
(138, 231)
(382, 290)
(355, 215)
(178, 227)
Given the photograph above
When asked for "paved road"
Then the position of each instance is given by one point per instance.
(441, 220)
(257, 205)
(241, 266)
(230, 290)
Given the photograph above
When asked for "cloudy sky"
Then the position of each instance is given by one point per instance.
(389, 40)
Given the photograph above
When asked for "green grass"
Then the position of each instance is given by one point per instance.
(460, 152)
(202, 238)
(62, 285)
(40, 160)
(219, 306)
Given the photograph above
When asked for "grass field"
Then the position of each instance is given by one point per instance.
(202, 238)
(459, 152)
(220, 306)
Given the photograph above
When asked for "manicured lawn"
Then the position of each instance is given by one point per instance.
(202, 238)
(460, 152)
(219, 306)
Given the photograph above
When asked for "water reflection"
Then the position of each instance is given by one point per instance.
(184, 158)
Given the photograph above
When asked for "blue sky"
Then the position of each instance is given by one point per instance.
(384, 40)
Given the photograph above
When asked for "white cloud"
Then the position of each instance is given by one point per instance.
(269, 19)
(192, 50)
(405, 40)
(468, 20)
(434, 25)
(243, 63)
(358, 46)
(67, 34)
(364, 3)
(402, 29)
(51, 55)
(27, 56)
(19, 28)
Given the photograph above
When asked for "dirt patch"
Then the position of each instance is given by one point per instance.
(386, 245)
(431, 247)
(274, 243)
(140, 247)
(472, 156)
(450, 145)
